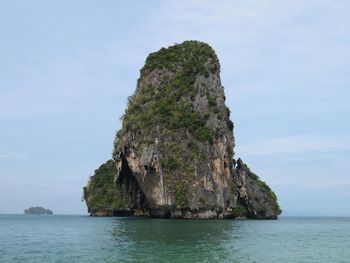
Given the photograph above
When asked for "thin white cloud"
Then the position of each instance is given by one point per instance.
(311, 181)
(296, 144)
(10, 156)
(294, 40)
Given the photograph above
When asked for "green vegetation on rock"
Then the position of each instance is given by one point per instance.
(240, 211)
(101, 192)
(168, 103)
(181, 194)
(191, 55)
(270, 195)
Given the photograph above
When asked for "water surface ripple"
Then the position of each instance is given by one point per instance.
(30, 238)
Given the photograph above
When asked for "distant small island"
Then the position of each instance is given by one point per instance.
(38, 211)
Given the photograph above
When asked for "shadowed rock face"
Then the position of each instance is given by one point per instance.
(104, 197)
(174, 153)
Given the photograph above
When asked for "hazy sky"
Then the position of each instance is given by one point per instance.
(67, 68)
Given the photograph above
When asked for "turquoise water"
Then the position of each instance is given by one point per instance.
(29, 238)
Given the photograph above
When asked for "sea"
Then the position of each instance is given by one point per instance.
(67, 238)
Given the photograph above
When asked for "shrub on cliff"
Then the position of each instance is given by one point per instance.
(101, 192)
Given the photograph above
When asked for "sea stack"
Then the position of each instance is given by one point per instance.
(174, 155)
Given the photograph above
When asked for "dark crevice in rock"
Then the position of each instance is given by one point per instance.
(160, 213)
(133, 197)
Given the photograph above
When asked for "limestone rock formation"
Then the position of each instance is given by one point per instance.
(174, 153)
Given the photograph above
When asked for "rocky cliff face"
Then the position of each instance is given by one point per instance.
(174, 153)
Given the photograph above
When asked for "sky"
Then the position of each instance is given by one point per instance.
(67, 68)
